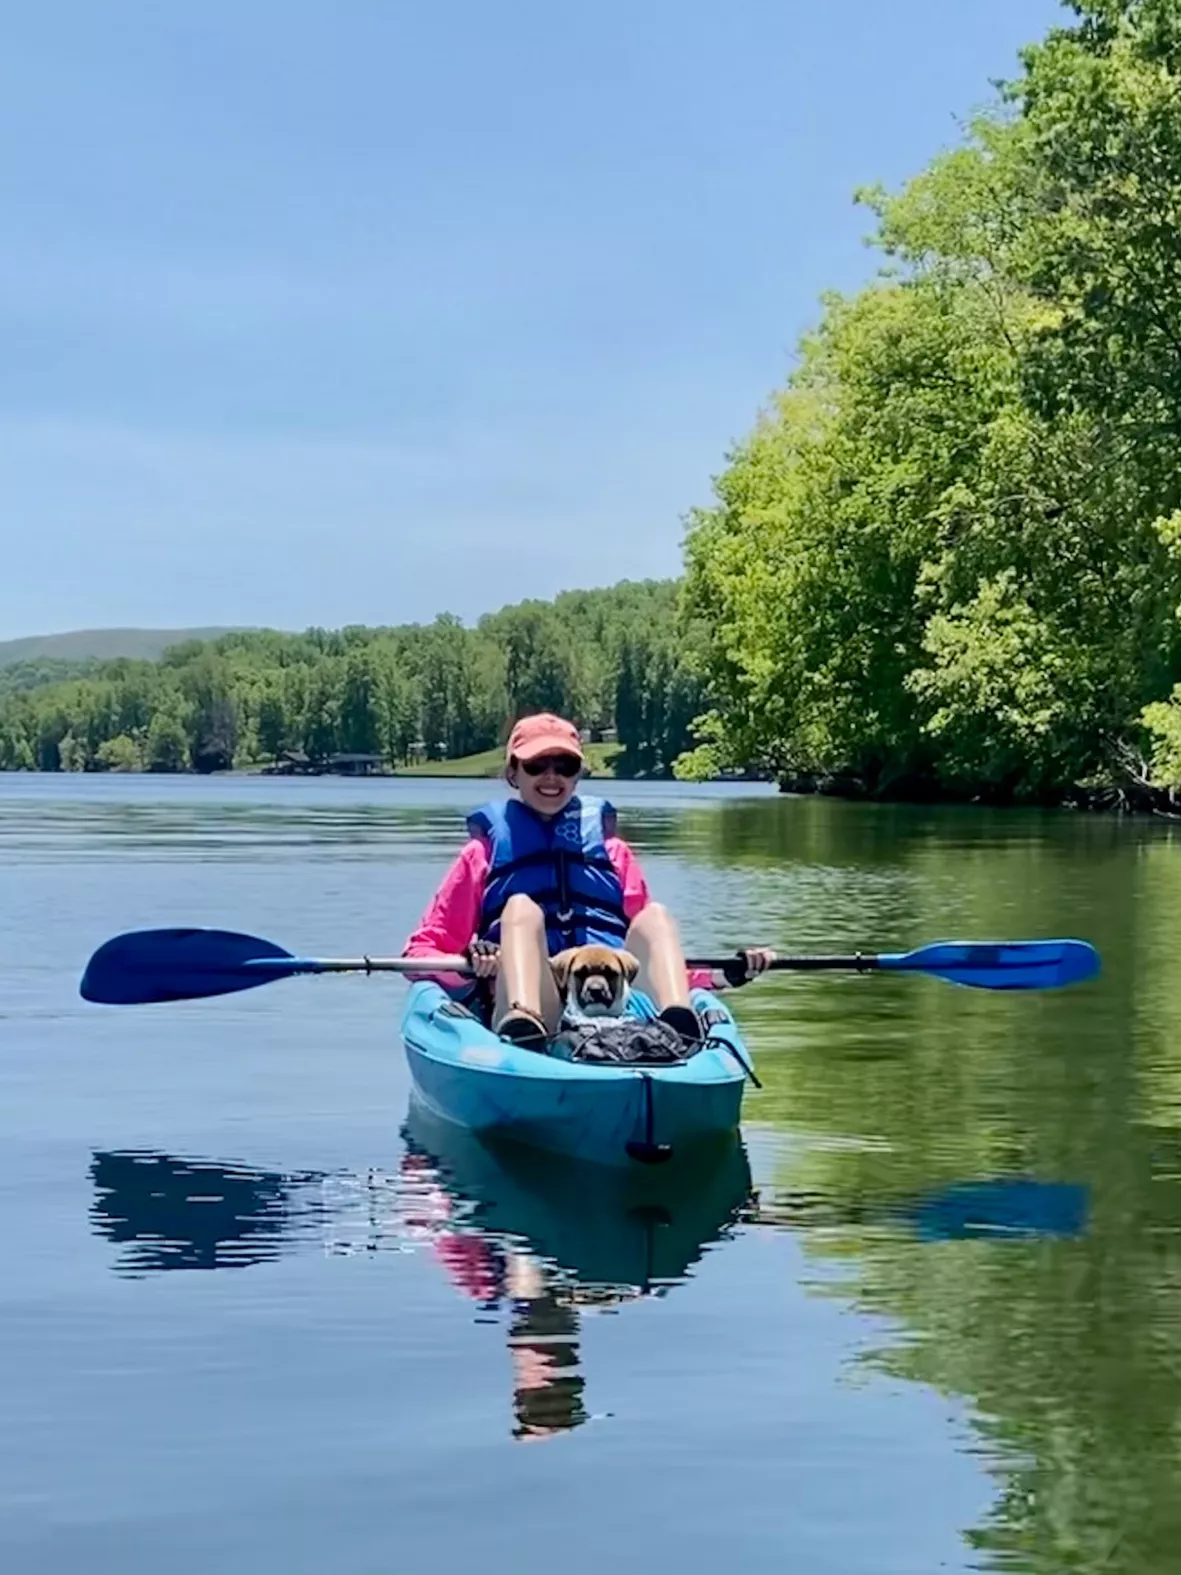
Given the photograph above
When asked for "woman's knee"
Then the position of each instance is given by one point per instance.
(521, 912)
(653, 919)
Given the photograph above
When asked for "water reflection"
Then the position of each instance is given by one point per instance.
(997, 1208)
(536, 1242)
(167, 1212)
(1060, 1329)
(994, 1181)
(533, 1243)
(547, 1241)
(607, 1230)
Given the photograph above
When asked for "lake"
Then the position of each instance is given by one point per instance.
(926, 1318)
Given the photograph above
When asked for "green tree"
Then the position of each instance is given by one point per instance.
(250, 695)
(461, 678)
(121, 753)
(361, 729)
(16, 752)
(212, 715)
(72, 754)
(168, 742)
(942, 558)
(541, 669)
(320, 721)
(273, 724)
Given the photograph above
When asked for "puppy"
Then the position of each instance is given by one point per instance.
(593, 981)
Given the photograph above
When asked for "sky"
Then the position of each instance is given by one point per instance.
(328, 314)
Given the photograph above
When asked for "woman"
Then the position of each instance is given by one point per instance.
(546, 871)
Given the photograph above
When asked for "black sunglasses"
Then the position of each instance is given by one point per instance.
(564, 765)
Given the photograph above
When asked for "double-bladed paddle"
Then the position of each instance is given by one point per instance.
(183, 964)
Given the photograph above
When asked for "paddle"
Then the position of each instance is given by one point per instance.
(183, 964)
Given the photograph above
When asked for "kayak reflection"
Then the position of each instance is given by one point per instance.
(600, 1226)
(547, 1240)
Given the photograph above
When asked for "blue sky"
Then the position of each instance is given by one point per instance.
(356, 313)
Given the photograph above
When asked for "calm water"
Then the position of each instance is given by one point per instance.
(929, 1318)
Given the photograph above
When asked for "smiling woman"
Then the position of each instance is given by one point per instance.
(544, 872)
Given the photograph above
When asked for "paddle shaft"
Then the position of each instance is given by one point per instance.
(185, 963)
(860, 962)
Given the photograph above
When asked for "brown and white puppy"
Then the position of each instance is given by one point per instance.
(593, 981)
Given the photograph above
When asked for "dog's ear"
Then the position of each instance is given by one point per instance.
(629, 964)
(561, 965)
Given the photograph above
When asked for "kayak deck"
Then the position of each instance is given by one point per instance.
(613, 1114)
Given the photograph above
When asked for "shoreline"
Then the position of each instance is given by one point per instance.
(1128, 798)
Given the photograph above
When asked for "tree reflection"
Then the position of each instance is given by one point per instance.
(1064, 1335)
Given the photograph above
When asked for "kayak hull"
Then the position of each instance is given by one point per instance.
(607, 1114)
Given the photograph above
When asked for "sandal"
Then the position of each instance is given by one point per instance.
(522, 1027)
(685, 1021)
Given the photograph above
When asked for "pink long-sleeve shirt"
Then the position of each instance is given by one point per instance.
(452, 920)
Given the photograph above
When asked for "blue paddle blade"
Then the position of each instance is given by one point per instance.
(178, 965)
(1006, 965)
(1005, 1208)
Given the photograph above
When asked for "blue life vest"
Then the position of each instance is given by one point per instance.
(561, 861)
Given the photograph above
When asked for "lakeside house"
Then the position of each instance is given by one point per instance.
(295, 762)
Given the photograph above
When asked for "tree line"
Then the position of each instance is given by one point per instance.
(947, 560)
(618, 661)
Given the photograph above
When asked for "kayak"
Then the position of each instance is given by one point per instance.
(610, 1114)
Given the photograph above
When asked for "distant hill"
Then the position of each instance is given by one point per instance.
(103, 645)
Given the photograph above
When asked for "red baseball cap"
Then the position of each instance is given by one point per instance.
(544, 734)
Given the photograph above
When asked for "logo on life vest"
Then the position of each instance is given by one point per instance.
(569, 829)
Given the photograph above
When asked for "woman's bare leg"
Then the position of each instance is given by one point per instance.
(654, 942)
(524, 977)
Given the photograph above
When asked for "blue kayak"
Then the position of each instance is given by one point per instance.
(613, 1114)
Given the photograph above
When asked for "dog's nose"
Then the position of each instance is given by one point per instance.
(596, 987)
